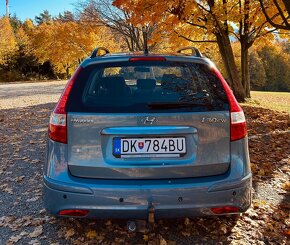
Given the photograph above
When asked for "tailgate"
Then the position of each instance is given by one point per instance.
(94, 141)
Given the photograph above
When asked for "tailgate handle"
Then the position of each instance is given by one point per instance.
(149, 130)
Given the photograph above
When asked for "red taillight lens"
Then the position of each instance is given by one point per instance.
(225, 210)
(238, 120)
(149, 58)
(238, 125)
(57, 129)
(73, 212)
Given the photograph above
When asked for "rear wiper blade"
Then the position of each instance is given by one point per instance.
(168, 105)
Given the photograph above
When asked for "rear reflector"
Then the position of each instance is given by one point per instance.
(57, 130)
(238, 120)
(152, 58)
(73, 212)
(225, 210)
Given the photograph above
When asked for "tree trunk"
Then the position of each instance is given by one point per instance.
(245, 74)
(244, 41)
(227, 54)
(67, 72)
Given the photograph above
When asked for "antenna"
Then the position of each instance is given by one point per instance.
(146, 51)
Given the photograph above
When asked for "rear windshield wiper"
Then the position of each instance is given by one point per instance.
(169, 105)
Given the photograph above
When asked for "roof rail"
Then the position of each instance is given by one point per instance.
(194, 51)
(97, 50)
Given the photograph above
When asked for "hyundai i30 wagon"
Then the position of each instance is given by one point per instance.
(135, 134)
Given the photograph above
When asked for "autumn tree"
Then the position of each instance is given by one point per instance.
(210, 21)
(201, 15)
(276, 62)
(8, 44)
(252, 26)
(280, 19)
(25, 61)
(133, 35)
(66, 44)
(257, 72)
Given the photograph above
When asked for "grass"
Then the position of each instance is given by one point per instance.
(278, 101)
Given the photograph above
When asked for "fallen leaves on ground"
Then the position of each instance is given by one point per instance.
(37, 232)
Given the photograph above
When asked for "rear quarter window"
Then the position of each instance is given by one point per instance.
(144, 87)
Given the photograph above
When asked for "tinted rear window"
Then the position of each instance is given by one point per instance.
(144, 87)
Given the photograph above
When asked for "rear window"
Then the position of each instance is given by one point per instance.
(144, 87)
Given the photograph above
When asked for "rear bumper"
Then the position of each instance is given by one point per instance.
(171, 199)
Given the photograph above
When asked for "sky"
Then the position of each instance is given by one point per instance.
(30, 8)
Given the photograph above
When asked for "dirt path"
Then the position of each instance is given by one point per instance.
(29, 94)
(24, 113)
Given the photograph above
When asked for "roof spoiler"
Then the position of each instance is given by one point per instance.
(194, 51)
(97, 52)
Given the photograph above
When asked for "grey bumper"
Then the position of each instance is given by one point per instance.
(181, 198)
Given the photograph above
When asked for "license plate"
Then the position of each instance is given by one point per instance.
(149, 147)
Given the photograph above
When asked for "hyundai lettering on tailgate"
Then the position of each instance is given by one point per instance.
(149, 147)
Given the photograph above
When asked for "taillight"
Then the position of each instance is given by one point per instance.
(148, 58)
(57, 130)
(73, 212)
(57, 127)
(225, 210)
(238, 120)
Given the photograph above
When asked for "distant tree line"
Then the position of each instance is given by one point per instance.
(48, 47)
(270, 67)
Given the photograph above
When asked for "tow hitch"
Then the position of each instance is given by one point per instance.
(143, 225)
(151, 214)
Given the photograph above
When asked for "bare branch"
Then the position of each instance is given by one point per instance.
(194, 41)
(284, 26)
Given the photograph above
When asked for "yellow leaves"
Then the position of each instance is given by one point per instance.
(145, 238)
(261, 172)
(258, 203)
(91, 234)
(162, 241)
(65, 44)
(28, 25)
(286, 186)
(8, 45)
(69, 233)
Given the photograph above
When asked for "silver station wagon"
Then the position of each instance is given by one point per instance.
(137, 135)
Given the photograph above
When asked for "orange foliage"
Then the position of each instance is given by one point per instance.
(8, 44)
(66, 44)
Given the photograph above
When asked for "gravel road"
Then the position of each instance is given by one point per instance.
(24, 113)
(29, 94)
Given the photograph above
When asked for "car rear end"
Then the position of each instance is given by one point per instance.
(132, 134)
